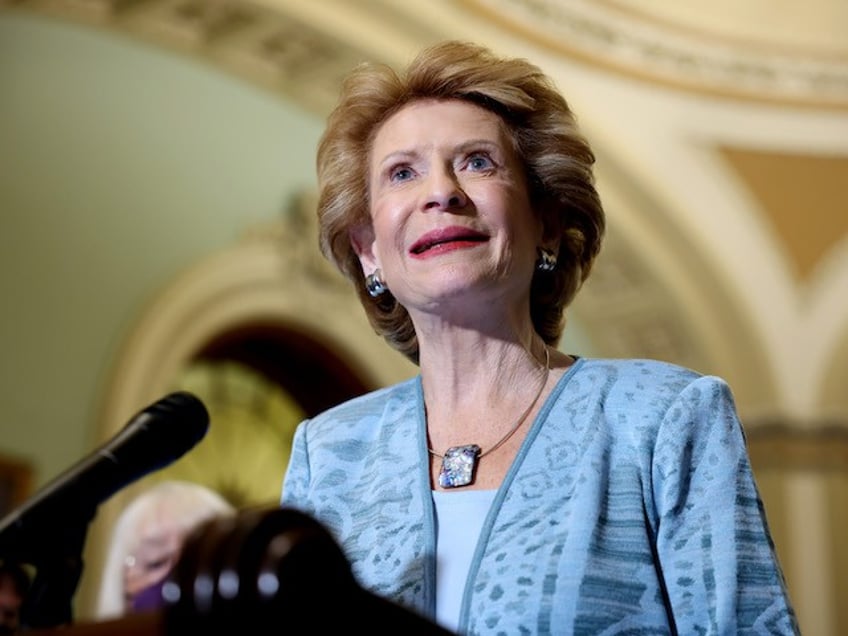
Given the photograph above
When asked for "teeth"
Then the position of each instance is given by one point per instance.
(424, 248)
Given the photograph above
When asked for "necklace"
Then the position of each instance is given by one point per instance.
(459, 463)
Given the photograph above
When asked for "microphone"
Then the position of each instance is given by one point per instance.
(275, 567)
(155, 437)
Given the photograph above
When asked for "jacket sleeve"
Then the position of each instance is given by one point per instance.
(296, 481)
(714, 550)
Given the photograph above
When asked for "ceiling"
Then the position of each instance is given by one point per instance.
(722, 136)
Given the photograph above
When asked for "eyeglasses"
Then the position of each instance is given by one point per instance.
(149, 563)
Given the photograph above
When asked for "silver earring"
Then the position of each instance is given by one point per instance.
(375, 284)
(547, 260)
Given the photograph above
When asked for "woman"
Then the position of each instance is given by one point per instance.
(512, 488)
(147, 541)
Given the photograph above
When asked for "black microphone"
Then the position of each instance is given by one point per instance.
(270, 569)
(155, 437)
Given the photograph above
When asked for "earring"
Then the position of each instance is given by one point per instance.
(375, 284)
(547, 260)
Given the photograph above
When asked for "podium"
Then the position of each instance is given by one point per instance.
(265, 570)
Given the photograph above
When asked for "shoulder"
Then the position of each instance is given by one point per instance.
(363, 412)
(635, 380)
(638, 395)
(656, 372)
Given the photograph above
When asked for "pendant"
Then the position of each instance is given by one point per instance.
(458, 466)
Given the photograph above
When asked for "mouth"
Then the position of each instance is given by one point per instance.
(447, 238)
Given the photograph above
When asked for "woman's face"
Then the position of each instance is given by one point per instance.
(450, 211)
(152, 559)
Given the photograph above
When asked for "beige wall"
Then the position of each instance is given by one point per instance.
(120, 166)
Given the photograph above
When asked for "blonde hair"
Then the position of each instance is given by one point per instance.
(558, 162)
(185, 504)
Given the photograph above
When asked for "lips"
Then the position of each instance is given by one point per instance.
(445, 238)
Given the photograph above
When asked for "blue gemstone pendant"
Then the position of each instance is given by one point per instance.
(458, 466)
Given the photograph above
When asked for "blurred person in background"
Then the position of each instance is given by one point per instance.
(146, 543)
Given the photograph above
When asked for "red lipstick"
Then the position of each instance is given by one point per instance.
(446, 239)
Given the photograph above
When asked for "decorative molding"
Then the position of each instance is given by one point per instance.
(664, 53)
(274, 273)
(272, 48)
(299, 54)
(786, 446)
(632, 312)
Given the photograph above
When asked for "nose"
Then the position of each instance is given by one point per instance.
(444, 191)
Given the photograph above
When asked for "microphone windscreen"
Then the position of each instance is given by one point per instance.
(161, 433)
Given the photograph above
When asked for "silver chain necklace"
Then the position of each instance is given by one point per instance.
(459, 463)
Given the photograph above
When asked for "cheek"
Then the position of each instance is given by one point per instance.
(523, 219)
(389, 220)
(507, 209)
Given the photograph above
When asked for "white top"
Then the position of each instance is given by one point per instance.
(459, 517)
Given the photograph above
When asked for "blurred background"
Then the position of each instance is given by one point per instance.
(157, 197)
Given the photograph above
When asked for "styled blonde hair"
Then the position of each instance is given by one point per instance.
(182, 503)
(557, 158)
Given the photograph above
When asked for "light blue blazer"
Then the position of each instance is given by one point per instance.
(630, 509)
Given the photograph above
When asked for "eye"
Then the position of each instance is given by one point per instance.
(400, 173)
(156, 564)
(479, 161)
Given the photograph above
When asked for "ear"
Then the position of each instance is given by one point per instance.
(362, 240)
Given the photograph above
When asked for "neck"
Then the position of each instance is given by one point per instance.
(459, 462)
(480, 400)
(464, 369)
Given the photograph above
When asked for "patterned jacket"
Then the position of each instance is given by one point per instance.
(630, 508)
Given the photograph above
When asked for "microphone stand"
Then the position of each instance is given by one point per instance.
(56, 556)
(48, 531)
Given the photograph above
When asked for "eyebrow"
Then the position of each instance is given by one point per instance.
(465, 146)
